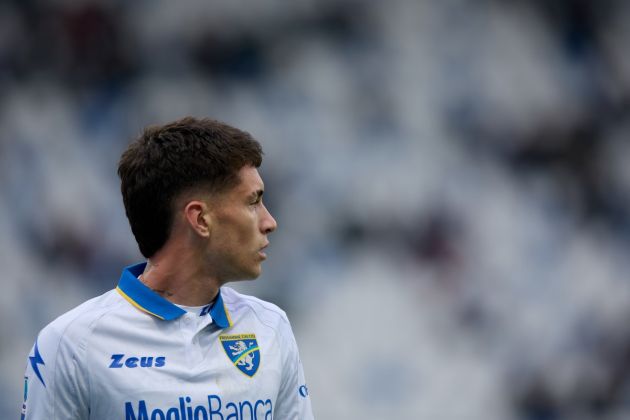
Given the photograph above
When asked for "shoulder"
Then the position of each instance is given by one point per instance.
(240, 305)
(74, 326)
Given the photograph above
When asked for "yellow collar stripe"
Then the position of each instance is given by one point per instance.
(133, 302)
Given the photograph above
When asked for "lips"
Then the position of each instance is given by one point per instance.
(262, 254)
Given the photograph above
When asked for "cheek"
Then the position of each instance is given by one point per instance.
(235, 230)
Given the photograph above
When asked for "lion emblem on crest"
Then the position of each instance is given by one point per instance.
(237, 349)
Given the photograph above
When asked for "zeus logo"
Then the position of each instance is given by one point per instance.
(119, 361)
(205, 310)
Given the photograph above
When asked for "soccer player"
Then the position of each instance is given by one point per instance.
(170, 342)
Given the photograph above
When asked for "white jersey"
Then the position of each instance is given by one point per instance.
(131, 354)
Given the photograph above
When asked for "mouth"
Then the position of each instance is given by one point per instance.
(261, 252)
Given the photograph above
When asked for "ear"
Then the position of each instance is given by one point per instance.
(198, 217)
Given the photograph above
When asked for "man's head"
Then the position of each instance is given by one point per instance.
(188, 174)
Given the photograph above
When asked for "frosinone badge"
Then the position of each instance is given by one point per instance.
(243, 351)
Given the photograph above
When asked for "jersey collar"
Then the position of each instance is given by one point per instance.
(145, 299)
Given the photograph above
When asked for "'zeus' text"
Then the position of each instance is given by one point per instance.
(119, 361)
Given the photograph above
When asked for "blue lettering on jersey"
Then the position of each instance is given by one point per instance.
(215, 410)
(303, 390)
(119, 361)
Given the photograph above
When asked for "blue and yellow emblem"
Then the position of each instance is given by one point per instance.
(243, 351)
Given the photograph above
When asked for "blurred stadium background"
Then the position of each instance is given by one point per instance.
(451, 180)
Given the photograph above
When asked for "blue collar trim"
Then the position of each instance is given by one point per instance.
(145, 299)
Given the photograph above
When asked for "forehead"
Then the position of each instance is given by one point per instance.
(249, 180)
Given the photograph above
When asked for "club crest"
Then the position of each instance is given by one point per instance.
(243, 351)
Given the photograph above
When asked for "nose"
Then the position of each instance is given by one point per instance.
(268, 223)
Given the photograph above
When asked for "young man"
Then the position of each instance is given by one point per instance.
(170, 342)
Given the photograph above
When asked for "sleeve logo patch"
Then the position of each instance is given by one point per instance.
(25, 398)
(243, 352)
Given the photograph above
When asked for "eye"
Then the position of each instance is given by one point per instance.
(256, 199)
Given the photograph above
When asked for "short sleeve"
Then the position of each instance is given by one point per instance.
(294, 402)
(55, 382)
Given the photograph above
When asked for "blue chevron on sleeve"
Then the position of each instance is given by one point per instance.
(36, 360)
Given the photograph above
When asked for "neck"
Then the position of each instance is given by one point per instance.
(176, 274)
